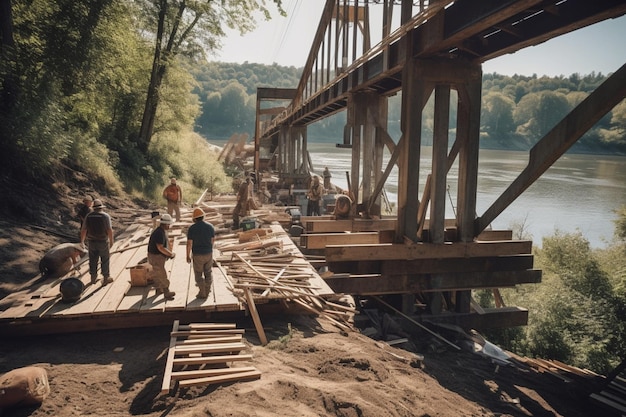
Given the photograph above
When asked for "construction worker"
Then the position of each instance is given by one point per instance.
(174, 196)
(327, 177)
(159, 251)
(244, 197)
(60, 260)
(200, 238)
(98, 232)
(314, 195)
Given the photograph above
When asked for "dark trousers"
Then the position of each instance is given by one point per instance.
(99, 251)
(313, 208)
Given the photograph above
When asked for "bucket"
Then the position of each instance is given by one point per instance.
(139, 275)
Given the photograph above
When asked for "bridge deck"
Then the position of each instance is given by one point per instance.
(40, 309)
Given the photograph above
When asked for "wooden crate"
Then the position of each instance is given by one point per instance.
(139, 275)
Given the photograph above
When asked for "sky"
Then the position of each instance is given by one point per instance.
(286, 41)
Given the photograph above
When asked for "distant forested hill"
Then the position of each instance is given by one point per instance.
(517, 111)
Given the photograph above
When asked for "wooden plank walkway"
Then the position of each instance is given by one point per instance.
(42, 303)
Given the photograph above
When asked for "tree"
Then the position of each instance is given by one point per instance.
(190, 27)
(497, 117)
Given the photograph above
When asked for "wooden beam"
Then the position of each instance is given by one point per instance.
(457, 265)
(220, 379)
(210, 360)
(255, 316)
(169, 362)
(354, 225)
(209, 348)
(202, 373)
(388, 251)
(321, 240)
(427, 266)
(492, 318)
(410, 284)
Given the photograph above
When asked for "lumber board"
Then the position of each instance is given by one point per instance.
(214, 339)
(209, 326)
(328, 226)
(202, 373)
(169, 362)
(181, 277)
(424, 266)
(409, 284)
(190, 334)
(128, 298)
(475, 264)
(26, 306)
(225, 300)
(109, 297)
(255, 317)
(240, 376)
(607, 402)
(398, 251)
(211, 360)
(487, 235)
(210, 348)
(193, 303)
(321, 240)
(353, 225)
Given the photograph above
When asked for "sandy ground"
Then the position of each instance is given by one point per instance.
(309, 368)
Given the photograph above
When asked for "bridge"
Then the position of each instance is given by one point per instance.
(365, 52)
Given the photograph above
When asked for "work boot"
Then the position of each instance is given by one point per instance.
(202, 293)
(158, 291)
(208, 283)
(168, 295)
(106, 280)
(94, 279)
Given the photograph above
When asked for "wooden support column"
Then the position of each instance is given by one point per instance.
(368, 113)
(354, 127)
(441, 75)
(306, 166)
(413, 92)
(438, 180)
(468, 137)
(439, 164)
(283, 139)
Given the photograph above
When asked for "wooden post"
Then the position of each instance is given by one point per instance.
(255, 316)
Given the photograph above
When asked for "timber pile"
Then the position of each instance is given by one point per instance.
(266, 266)
(612, 396)
(199, 354)
(270, 214)
(559, 370)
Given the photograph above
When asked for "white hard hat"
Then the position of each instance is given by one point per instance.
(166, 219)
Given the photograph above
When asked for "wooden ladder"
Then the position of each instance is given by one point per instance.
(200, 354)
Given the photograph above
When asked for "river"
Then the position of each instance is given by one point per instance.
(578, 193)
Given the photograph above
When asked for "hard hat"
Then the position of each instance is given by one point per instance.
(197, 212)
(79, 247)
(71, 289)
(97, 204)
(166, 219)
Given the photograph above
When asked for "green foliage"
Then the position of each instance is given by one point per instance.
(577, 312)
(620, 224)
(190, 159)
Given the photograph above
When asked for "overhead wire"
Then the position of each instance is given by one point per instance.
(295, 6)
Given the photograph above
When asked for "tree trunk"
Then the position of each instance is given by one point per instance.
(8, 90)
(156, 78)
